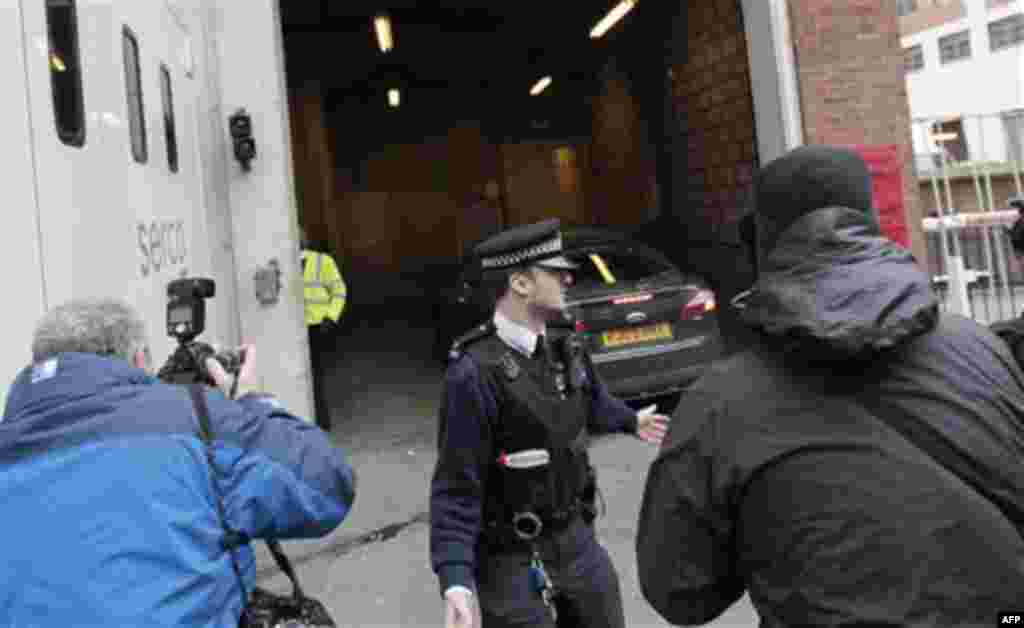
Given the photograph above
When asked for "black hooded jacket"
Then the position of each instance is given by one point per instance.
(862, 465)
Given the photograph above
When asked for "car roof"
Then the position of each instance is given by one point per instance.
(583, 236)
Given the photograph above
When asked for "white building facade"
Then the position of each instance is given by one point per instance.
(965, 79)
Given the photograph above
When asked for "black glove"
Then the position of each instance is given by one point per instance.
(328, 325)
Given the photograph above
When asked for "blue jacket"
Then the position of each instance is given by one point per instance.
(109, 515)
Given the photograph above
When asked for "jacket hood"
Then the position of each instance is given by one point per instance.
(48, 384)
(834, 289)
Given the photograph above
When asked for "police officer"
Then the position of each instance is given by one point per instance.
(324, 293)
(512, 495)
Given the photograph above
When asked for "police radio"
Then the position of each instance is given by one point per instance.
(186, 320)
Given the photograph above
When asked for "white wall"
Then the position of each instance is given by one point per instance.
(76, 216)
(104, 217)
(245, 49)
(778, 119)
(983, 85)
(213, 155)
(19, 255)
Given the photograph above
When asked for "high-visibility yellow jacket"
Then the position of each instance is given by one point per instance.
(324, 289)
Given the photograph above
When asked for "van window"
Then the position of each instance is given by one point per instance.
(169, 130)
(133, 90)
(65, 71)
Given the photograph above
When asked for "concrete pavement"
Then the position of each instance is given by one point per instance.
(388, 583)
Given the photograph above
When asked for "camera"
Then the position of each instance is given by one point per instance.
(186, 320)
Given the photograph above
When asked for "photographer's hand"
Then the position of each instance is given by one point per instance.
(246, 382)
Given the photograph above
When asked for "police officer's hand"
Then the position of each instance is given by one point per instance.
(246, 382)
(652, 427)
(461, 610)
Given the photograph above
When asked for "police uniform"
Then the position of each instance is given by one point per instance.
(521, 536)
(325, 295)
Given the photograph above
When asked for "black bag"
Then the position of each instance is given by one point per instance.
(261, 609)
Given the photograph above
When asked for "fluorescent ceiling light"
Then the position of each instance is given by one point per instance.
(382, 24)
(540, 86)
(616, 14)
(394, 97)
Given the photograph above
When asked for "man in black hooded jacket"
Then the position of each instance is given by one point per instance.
(863, 463)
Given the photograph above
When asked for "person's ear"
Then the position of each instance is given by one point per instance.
(520, 283)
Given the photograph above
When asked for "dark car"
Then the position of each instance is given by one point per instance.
(650, 329)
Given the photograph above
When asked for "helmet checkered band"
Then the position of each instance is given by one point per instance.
(544, 249)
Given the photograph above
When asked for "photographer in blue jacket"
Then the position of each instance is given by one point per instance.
(110, 514)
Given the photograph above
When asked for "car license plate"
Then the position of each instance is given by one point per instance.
(634, 335)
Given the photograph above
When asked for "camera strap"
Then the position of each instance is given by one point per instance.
(232, 538)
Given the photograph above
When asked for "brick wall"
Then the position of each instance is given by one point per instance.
(852, 86)
(713, 93)
(620, 174)
(965, 193)
(931, 13)
(313, 167)
(538, 186)
(714, 152)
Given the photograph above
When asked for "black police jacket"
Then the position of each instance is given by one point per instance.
(497, 401)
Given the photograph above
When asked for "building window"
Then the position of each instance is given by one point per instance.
(170, 132)
(950, 139)
(954, 47)
(133, 89)
(1006, 32)
(66, 71)
(913, 58)
(905, 7)
(1013, 126)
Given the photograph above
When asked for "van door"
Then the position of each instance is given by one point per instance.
(117, 159)
(20, 261)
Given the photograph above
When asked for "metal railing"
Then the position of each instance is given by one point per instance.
(974, 163)
(974, 270)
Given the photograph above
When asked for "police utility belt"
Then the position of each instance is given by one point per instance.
(527, 525)
(506, 526)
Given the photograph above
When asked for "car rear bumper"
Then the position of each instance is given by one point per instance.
(652, 384)
(635, 375)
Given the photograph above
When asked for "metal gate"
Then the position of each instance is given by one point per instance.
(972, 165)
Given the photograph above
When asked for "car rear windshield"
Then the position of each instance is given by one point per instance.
(610, 266)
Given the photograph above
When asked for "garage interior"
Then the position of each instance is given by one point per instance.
(649, 128)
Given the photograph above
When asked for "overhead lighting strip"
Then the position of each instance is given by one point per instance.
(385, 38)
(607, 22)
(540, 86)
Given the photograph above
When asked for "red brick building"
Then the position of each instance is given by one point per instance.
(837, 69)
(760, 76)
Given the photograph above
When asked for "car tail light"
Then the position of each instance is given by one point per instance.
(701, 303)
(633, 298)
